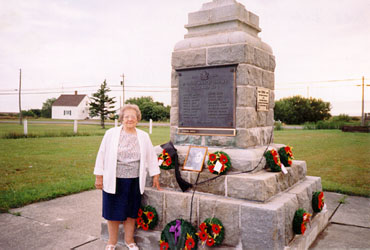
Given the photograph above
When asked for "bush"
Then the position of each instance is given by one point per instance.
(298, 110)
(150, 109)
(341, 118)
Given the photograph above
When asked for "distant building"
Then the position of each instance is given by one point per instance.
(74, 107)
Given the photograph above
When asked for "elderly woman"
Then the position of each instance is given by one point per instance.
(125, 156)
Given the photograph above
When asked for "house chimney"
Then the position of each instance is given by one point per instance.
(75, 92)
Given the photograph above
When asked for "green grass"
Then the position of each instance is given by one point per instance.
(35, 169)
(340, 159)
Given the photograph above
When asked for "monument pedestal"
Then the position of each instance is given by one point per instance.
(223, 74)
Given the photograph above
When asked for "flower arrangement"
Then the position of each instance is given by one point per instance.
(286, 155)
(273, 160)
(167, 162)
(178, 234)
(211, 232)
(217, 158)
(147, 218)
(317, 201)
(300, 220)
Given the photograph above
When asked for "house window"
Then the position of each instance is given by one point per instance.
(67, 112)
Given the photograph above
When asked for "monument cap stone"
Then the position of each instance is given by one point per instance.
(222, 16)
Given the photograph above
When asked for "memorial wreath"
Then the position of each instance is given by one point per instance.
(166, 161)
(147, 218)
(317, 201)
(211, 232)
(218, 162)
(300, 220)
(286, 155)
(178, 234)
(273, 160)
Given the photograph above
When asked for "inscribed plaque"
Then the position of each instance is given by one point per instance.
(207, 97)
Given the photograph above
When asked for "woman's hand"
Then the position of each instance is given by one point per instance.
(156, 182)
(99, 182)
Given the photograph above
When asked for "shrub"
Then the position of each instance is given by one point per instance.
(298, 110)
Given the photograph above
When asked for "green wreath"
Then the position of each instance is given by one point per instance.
(147, 218)
(317, 201)
(167, 162)
(178, 234)
(218, 156)
(286, 155)
(300, 220)
(212, 232)
(273, 160)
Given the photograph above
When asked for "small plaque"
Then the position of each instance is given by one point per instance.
(206, 131)
(263, 97)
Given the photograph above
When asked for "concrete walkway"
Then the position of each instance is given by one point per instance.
(74, 222)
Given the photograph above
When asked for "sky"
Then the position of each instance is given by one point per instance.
(67, 45)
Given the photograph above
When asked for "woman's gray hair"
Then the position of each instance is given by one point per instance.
(130, 106)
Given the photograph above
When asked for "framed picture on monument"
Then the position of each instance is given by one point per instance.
(195, 158)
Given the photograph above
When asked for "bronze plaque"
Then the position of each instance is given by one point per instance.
(207, 97)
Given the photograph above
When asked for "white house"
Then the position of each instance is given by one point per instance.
(74, 107)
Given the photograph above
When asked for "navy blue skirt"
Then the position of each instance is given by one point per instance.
(125, 202)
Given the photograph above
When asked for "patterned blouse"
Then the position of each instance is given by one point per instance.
(128, 158)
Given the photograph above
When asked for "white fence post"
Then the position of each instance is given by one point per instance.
(150, 126)
(115, 122)
(25, 127)
(75, 126)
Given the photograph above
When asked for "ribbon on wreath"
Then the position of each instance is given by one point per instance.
(176, 229)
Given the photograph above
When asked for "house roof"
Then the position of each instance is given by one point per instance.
(69, 100)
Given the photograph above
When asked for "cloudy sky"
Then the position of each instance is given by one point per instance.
(67, 45)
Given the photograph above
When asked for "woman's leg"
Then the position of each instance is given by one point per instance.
(129, 226)
(113, 231)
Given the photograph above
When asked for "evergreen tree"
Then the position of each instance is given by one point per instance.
(101, 104)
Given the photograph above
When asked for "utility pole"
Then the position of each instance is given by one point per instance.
(19, 96)
(123, 88)
(362, 108)
(363, 101)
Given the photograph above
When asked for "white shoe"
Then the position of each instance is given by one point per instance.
(110, 247)
(132, 246)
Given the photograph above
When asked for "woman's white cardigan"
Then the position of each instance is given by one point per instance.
(106, 160)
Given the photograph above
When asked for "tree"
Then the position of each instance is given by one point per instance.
(102, 104)
(151, 109)
(46, 107)
(298, 110)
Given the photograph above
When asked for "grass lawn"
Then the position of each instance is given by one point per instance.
(342, 160)
(35, 169)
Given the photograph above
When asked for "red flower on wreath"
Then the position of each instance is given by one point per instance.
(212, 157)
(145, 226)
(164, 246)
(211, 167)
(168, 161)
(139, 221)
(321, 200)
(306, 217)
(140, 213)
(216, 228)
(190, 243)
(203, 236)
(150, 215)
(223, 159)
(203, 227)
(210, 242)
(303, 227)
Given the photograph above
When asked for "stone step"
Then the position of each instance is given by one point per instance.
(241, 159)
(258, 186)
(248, 224)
